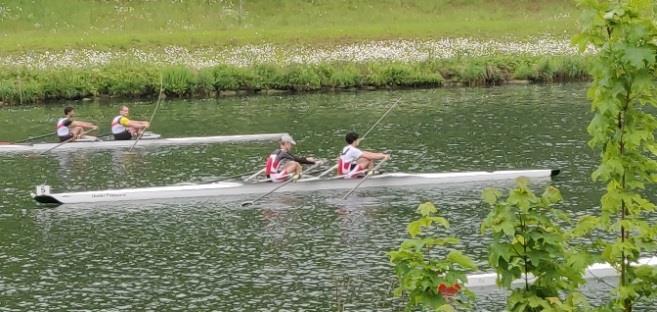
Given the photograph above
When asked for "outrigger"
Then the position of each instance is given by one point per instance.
(43, 193)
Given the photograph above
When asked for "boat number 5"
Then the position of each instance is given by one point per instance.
(43, 189)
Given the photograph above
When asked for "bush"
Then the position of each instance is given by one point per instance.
(299, 78)
(133, 79)
(178, 80)
(476, 74)
(127, 79)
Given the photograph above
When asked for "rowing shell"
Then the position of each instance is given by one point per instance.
(485, 282)
(26, 148)
(43, 194)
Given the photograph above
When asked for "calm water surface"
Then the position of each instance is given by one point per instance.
(308, 251)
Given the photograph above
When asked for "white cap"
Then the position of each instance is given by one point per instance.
(286, 138)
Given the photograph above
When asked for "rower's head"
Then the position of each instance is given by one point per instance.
(287, 142)
(69, 111)
(124, 111)
(352, 138)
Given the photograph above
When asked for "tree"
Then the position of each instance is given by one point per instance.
(624, 33)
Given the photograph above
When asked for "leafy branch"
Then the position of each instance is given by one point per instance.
(528, 246)
(425, 278)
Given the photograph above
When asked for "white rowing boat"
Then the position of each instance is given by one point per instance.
(146, 141)
(43, 194)
(485, 282)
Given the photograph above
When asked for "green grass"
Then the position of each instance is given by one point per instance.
(59, 24)
(135, 80)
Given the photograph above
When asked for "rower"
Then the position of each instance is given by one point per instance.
(354, 163)
(281, 164)
(69, 129)
(126, 129)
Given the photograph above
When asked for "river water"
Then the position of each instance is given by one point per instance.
(310, 251)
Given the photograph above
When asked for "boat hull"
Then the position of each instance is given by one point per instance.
(486, 282)
(29, 148)
(218, 189)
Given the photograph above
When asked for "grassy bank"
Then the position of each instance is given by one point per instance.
(135, 80)
(58, 24)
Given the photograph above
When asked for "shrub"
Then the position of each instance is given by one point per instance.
(178, 80)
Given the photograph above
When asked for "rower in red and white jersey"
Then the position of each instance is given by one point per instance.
(353, 162)
(69, 129)
(281, 165)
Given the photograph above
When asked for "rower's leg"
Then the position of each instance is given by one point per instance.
(365, 163)
(293, 168)
(76, 132)
(299, 170)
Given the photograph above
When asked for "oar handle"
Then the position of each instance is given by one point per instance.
(315, 165)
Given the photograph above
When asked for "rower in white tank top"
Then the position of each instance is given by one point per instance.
(126, 129)
(63, 129)
(69, 129)
(353, 162)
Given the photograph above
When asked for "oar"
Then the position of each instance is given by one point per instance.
(366, 133)
(28, 139)
(369, 173)
(106, 134)
(67, 141)
(383, 116)
(250, 202)
(251, 177)
(157, 105)
(327, 171)
(292, 179)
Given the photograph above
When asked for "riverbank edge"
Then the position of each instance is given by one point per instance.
(134, 80)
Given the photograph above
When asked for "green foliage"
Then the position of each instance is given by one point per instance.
(554, 69)
(231, 78)
(127, 79)
(475, 74)
(204, 83)
(265, 75)
(300, 78)
(178, 80)
(130, 78)
(528, 244)
(401, 75)
(623, 93)
(344, 75)
(421, 272)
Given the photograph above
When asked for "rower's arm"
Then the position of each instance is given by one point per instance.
(82, 124)
(373, 156)
(135, 124)
(303, 160)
